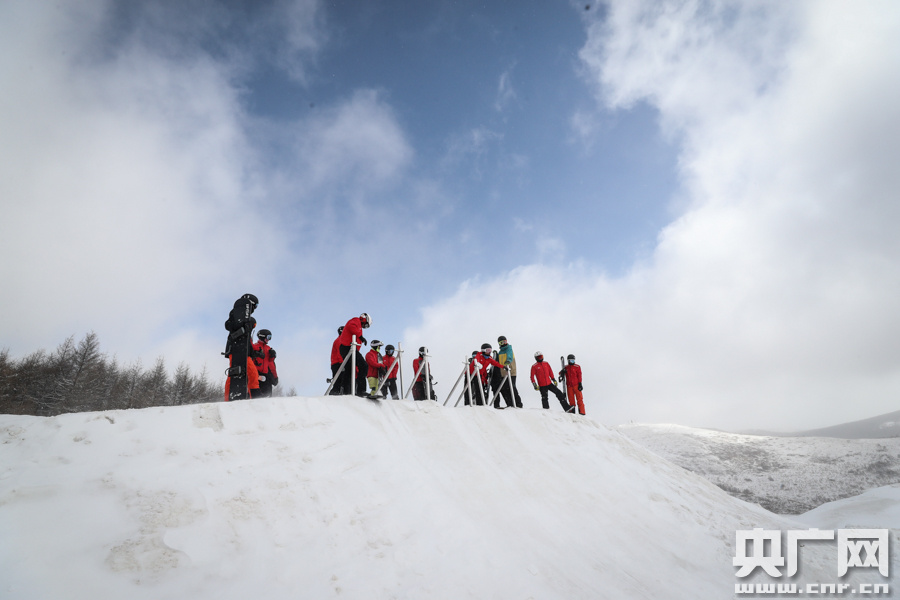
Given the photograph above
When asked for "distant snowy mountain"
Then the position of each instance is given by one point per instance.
(786, 475)
(292, 498)
(882, 426)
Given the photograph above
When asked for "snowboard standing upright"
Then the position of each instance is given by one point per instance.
(237, 346)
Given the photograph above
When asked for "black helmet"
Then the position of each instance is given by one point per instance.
(253, 299)
(365, 320)
(423, 351)
(501, 340)
(571, 358)
(340, 330)
(376, 344)
(486, 348)
(264, 334)
(389, 350)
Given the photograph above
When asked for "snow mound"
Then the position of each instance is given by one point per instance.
(341, 497)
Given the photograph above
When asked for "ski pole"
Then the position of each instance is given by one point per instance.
(480, 383)
(415, 378)
(467, 388)
(337, 374)
(427, 378)
(453, 389)
(353, 367)
(400, 364)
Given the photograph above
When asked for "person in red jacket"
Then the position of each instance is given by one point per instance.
(391, 373)
(571, 374)
(375, 367)
(419, 389)
(480, 362)
(354, 327)
(264, 357)
(542, 378)
(336, 363)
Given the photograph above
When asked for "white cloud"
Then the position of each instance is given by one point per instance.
(358, 142)
(770, 300)
(506, 93)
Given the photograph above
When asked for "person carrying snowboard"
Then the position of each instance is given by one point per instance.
(237, 345)
(250, 379)
(390, 381)
(542, 378)
(507, 358)
(265, 365)
(375, 368)
(571, 374)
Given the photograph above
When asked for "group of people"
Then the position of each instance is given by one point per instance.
(497, 373)
(259, 375)
(488, 372)
(376, 370)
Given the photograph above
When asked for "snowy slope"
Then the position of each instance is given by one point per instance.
(341, 497)
(873, 509)
(784, 475)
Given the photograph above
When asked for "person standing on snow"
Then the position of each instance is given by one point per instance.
(336, 359)
(480, 362)
(264, 359)
(237, 345)
(542, 378)
(354, 327)
(251, 377)
(419, 389)
(375, 367)
(390, 382)
(507, 358)
(571, 374)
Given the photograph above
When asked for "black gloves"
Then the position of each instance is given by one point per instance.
(271, 352)
(274, 381)
(580, 388)
(361, 340)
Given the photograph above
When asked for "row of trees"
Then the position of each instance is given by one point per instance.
(79, 377)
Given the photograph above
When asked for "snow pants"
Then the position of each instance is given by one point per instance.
(390, 385)
(576, 397)
(559, 395)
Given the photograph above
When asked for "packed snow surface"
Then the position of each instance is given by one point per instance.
(783, 474)
(292, 498)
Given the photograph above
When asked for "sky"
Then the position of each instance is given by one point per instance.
(697, 199)
(342, 498)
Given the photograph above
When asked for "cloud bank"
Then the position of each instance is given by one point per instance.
(769, 299)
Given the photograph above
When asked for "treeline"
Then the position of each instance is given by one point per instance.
(79, 377)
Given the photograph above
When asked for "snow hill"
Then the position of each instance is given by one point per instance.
(292, 498)
(785, 475)
(882, 426)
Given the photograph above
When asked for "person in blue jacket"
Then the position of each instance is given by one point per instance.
(507, 358)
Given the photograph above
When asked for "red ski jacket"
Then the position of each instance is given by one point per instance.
(416, 363)
(336, 351)
(542, 373)
(266, 364)
(373, 359)
(388, 363)
(484, 361)
(572, 374)
(353, 327)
